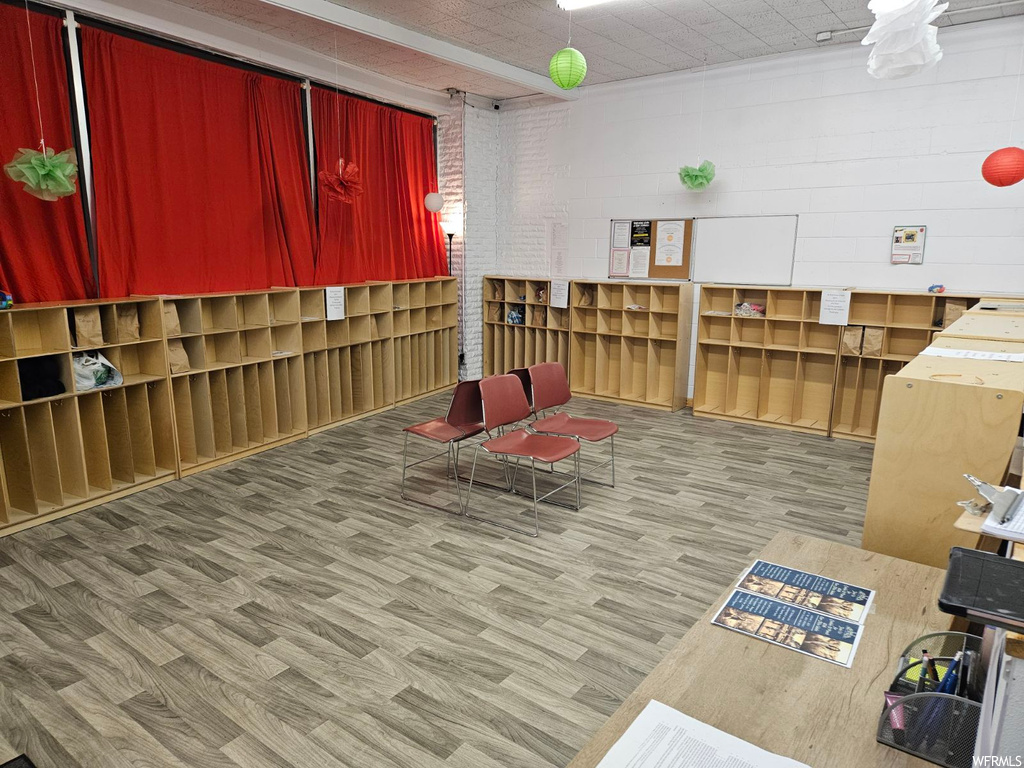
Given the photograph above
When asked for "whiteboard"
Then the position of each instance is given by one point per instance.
(752, 250)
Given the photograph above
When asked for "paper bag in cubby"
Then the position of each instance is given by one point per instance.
(177, 358)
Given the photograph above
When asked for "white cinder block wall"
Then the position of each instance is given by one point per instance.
(807, 133)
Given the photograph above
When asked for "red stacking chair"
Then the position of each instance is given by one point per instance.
(463, 420)
(551, 391)
(523, 374)
(504, 404)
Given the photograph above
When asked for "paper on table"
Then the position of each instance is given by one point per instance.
(639, 261)
(560, 293)
(335, 297)
(663, 737)
(974, 354)
(808, 590)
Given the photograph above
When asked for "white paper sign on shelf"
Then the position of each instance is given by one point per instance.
(835, 308)
(335, 298)
(560, 293)
(639, 261)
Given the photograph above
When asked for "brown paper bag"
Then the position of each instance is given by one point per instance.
(954, 308)
(127, 322)
(88, 327)
(853, 335)
(172, 327)
(872, 345)
(177, 358)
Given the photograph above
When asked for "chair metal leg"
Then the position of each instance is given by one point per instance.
(536, 526)
(405, 461)
(449, 451)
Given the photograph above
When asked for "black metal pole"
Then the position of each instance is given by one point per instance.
(450, 236)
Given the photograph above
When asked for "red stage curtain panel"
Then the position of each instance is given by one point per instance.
(44, 255)
(198, 171)
(385, 233)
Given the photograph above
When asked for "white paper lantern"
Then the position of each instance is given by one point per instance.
(904, 41)
(433, 202)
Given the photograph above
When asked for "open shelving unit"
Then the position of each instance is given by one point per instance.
(542, 337)
(426, 348)
(787, 370)
(80, 447)
(630, 342)
(244, 391)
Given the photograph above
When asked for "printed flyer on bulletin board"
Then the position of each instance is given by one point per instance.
(808, 590)
(807, 632)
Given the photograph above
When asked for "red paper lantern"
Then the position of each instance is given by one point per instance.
(1004, 167)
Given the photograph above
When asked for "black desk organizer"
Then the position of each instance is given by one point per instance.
(938, 727)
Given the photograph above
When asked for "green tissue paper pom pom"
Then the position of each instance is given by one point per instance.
(567, 68)
(45, 175)
(697, 178)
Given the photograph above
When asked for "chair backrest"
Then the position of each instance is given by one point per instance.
(524, 376)
(504, 401)
(466, 407)
(550, 386)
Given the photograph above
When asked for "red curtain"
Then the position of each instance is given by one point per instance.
(43, 251)
(385, 233)
(198, 170)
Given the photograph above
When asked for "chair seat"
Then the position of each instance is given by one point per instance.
(546, 448)
(591, 430)
(441, 431)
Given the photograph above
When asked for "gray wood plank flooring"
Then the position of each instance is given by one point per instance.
(290, 609)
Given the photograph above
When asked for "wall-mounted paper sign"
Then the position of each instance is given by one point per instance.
(668, 251)
(335, 297)
(640, 236)
(908, 245)
(639, 261)
(618, 262)
(620, 234)
(560, 293)
(835, 308)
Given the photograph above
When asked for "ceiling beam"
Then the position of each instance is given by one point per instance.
(431, 46)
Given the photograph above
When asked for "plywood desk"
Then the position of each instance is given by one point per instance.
(794, 705)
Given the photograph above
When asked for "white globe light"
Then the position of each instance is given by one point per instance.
(433, 202)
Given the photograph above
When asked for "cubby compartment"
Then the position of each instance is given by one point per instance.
(40, 331)
(913, 311)
(253, 310)
(637, 298)
(94, 444)
(718, 328)
(311, 305)
(558, 318)
(221, 409)
(661, 372)
(400, 295)
(337, 333)
(223, 349)
(87, 327)
(14, 445)
(285, 340)
(450, 315)
(119, 443)
(820, 338)
(42, 450)
(664, 298)
(359, 328)
(744, 385)
(234, 381)
(10, 385)
(757, 296)
(253, 404)
(583, 362)
(584, 294)
(219, 313)
(195, 350)
(381, 326)
(254, 345)
(318, 394)
(6, 335)
(432, 290)
(162, 421)
(709, 390)
(417, 295)
(433, 318)
(664, 327)
(782, 334)
(609, 321)
(813, 394)
(607, 372)
(610, 296)
(140, 431)
(188, 314)
(400, 322)
(284, 307)
(515, 291)
(905, 343)
(268, 401)
(449, 290)
(857, 397)
(381, 299)
(314, 335)
(140, 362)
(536, 315)
(786, 305)
(633, 369)
(636, 324)
(357, 300)
(776, 392)
(584, 320)
(45, 376)
(417, 320)
(716, 301)
(869, 309)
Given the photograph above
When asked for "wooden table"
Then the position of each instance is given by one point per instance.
(818, 713)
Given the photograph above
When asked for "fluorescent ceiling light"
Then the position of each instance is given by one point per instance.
(574, 5)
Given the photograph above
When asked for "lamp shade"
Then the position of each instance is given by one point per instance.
(1004, 167)
(433, 202)
(567, 68)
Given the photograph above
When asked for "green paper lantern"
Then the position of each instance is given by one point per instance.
(45, 175)
(697, 178)
(567, 68)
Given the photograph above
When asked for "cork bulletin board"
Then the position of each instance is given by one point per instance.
(658, 249)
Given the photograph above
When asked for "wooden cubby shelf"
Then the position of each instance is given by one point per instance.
(630, 342)
(786, 369)
(541, 337)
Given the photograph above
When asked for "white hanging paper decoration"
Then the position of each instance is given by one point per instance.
(905, 42)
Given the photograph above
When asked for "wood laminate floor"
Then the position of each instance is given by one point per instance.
(291, 610)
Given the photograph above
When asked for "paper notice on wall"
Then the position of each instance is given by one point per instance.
(558, 247)
(668, 246)
(835, 308)
(908, 245)
(620, 234)
(560, 293)
(335, 298)
(618, 263)
(639, 261)
(662, 736)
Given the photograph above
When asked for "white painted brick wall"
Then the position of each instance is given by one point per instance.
(451, 185)
(808, 133)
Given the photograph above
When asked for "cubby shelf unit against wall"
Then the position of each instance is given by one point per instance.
(208, 378)
(631, 341)
(78, 448)
(785, 369)
(541, 334)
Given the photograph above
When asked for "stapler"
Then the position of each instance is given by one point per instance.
(1003, 503)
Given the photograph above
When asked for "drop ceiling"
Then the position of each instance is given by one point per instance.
(621, 40)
